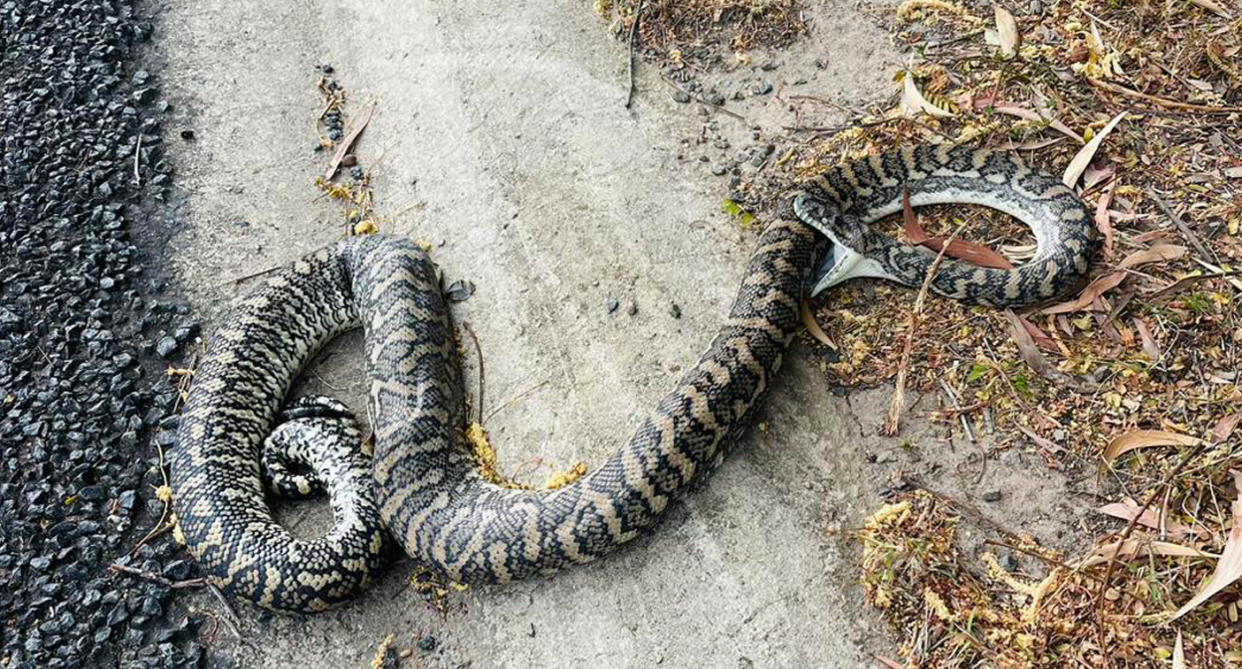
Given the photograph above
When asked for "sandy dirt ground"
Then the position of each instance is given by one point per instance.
(502, 138)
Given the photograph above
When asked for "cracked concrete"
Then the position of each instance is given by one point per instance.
(501, 135)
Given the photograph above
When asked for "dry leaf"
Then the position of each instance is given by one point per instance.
(1030, 352)
(1040, 338)
(1024, 113)
(1103, 222)
(1229, 567)
(1150, 348)
(1031, 144)
(1157, 253)
(1089, 295)
(1092, 177)
(1127, 509)
(1124, 443)
(891, 664)
(976, 254)
(1079, 164)
(1224, 428)
(812, 327)
(1211, 7)
(1131, 547)
(1006, 30)
(1179, 653)
(348, 143)
(1042, 442)
(913, 101)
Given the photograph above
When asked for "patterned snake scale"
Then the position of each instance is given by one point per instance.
(421, 484)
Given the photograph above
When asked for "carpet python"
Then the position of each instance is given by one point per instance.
(420, 489)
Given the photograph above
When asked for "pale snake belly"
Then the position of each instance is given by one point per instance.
(421, 488)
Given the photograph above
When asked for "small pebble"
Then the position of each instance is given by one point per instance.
(166, 347)
(681, 96)
(611, 304)
(674, 310)
(992, 496)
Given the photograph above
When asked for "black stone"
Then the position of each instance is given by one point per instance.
(78, 408)
(166, 347)
(118, 614)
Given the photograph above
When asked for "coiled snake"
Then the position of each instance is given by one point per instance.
(425, 487)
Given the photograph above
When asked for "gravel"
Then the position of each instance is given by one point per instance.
(80, 318)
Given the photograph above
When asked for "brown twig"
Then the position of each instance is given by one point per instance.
(230, 618)
(163, 525)
(348, 142)
(255, 275)
(478, 401)
(1163, 102)
(152, 576)
(1187, 280)
(899, 394)
(1184, 229)
(638, 12)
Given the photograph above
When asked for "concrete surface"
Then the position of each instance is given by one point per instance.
(504, 121)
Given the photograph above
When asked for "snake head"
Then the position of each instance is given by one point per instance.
(846, 256)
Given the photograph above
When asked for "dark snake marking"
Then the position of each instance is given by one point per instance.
(426, 489)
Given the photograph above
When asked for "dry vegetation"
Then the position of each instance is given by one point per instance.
(1135, 380)
(1137, 377)
(685, 31)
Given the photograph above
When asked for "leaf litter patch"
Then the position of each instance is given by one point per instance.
(1132, 381)
(1138, 106)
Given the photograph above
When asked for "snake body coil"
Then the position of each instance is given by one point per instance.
(426, 489)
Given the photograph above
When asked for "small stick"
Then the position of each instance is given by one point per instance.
(1163, 102)
(515, 398)
(957, 408)
(230, 618)
(899, 395)
(701, 100)
(163, 525)
(638, 12)
(1184, 229)
(137, 153)
(348, 142)
(1186, 280)
(151, 576)
(478, 401)
(255, 275)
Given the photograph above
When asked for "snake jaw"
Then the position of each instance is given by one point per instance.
(842, 263)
